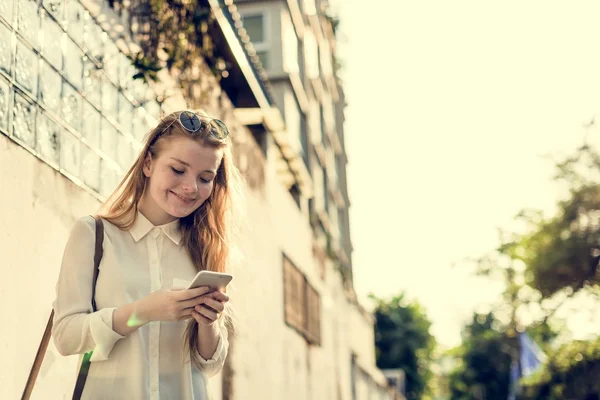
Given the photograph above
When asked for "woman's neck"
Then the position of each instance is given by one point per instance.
(148, 207)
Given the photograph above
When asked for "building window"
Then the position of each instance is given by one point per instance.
(256, 27)
(341, 220)
(304, 140)
(295, 193)
(313, 320)
(339, 167)
(318, 185)
(302, 303)
(294, 295)
(301, 62)
(314, 118)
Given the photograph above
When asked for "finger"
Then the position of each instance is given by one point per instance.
(192, 302)
(185, 317)
(199, 291)
(183, 295)
(214, 304)
(211, 315)
(200, 318)
(220, 296)
(186, 313)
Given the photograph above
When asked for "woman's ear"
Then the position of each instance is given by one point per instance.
(147, 166)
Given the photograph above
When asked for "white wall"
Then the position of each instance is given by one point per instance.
(37, 209)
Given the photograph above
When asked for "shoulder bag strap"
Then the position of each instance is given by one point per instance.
(39, 357)
(85, 363)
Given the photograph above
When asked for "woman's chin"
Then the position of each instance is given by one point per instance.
(178, 211)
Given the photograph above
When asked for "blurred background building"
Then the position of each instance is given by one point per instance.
(80, 87)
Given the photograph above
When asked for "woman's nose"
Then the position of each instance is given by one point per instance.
(190, 186)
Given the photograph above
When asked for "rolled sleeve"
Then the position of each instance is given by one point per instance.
(103, 334)
(77, 329)
(213, 365)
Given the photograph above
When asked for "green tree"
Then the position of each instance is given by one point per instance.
(483, 361)
(490, 341)
(563, 252)
(571, 373)
(402, 340)
(557, 255)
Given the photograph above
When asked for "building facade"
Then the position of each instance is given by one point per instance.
(72, 118)
(294, 41)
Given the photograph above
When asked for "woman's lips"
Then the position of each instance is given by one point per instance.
(185, 199)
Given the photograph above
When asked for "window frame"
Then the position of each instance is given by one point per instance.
(265, 45)
(302, 303)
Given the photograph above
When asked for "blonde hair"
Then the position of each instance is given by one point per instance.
(208, 232)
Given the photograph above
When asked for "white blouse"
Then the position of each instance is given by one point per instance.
(151, 362)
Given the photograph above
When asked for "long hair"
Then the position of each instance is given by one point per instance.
(208, 232)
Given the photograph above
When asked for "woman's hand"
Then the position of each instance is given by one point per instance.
(170, 305)
(210, 307)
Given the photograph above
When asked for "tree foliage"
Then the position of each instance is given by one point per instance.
(571, 373)
(483, 361)
(402, 340)
(563, 252)
(558, 254)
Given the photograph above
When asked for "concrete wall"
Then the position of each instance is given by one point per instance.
(37, 209)
(272, 360)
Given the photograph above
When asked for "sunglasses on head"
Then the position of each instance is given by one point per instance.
(191, 122)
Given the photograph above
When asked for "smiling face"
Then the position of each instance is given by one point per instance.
(179, 179)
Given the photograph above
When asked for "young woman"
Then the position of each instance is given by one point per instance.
(168, 219)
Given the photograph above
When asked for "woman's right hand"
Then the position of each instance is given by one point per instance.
(170, 304)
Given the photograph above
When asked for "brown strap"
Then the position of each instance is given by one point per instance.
(97, 257)
(39, 356)
(85, 362)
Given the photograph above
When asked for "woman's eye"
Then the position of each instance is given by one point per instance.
(205, 180)
(178, 172)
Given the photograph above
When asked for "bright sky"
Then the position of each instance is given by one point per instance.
(452, 105)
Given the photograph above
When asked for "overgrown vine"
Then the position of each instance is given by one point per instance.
(173, 34)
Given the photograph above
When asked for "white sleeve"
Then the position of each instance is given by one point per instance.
(76, 329)
(213, 365)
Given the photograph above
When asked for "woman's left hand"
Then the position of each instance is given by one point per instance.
(210, 307)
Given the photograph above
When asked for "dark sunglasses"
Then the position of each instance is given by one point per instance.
(191, 122)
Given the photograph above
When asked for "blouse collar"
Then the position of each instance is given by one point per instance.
(143, 226)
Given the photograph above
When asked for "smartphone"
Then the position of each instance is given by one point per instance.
(214, 280)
